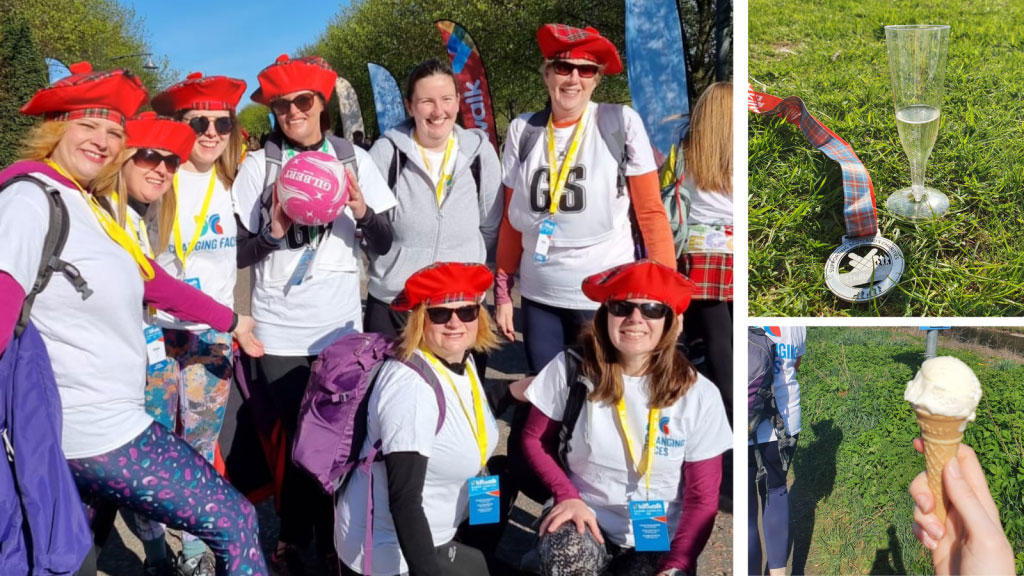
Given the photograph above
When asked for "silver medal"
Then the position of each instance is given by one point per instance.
(864, 268)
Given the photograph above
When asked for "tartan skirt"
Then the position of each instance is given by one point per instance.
(711, 272)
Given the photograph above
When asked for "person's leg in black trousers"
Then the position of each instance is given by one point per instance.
(305, 509)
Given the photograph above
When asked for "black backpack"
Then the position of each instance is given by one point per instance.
(53, 245)
(579, 388)
(399, 160)
(761, 401)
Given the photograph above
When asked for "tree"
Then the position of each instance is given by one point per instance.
(100, 31)
(22, 72)
(255, 120)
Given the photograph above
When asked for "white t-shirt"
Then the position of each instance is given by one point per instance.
(695, 428)
(96, 346)
(403, 415)
(434, 159)
(302, 320)
(710, 208)
(213, 259)
(592, 224)
(790, 345)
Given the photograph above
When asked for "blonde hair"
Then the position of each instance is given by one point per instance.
(708, 146)
(42, 140)
(412, 335)
(671, 375)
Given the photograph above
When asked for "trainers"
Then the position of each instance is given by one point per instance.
(165, 567)
(201, 565)
(287, 561)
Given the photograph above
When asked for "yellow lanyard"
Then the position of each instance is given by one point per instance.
(110, 226)
(480, 430)
(141, 236)
(185, 251)
(443, 178)
(558, 177)
(643, 467)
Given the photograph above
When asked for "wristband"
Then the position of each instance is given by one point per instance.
(234, 322)
(269, 239)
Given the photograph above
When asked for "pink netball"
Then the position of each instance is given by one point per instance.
(312, 188)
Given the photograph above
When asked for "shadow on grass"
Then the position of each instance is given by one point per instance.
(815, 472)
(911, 360)
(889, 560)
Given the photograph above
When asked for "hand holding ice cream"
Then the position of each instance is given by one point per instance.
(944, 395)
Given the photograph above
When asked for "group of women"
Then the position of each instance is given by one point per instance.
(162, 210)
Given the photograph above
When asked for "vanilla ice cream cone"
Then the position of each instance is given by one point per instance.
(942, 435)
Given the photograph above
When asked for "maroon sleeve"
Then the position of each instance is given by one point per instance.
(540, 444)
(702, 481)
(11, 298)
(185, 301)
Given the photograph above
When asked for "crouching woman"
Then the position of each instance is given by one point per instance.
(646, 442)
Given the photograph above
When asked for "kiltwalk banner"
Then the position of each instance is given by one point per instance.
(470, 78)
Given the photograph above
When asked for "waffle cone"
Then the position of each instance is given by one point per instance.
(942, 435)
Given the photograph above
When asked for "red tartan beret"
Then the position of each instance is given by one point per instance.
(641, 279)
(286, 75)
(561, 42)
(444, 282)
(112, 94)
(198, 92)
(147, 130)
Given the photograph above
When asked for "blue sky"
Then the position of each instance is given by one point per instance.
(237, 38)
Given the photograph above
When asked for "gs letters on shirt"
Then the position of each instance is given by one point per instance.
(695, 428)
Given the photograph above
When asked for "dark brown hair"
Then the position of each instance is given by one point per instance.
(671, 375)
(426, 69)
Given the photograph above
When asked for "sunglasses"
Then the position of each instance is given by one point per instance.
(303, 102)
(649, 310)
(563, 68)
(149, 159)
(441, 315)
(222, 125)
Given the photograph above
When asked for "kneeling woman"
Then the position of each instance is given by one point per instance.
(421, 490)
(612, 483)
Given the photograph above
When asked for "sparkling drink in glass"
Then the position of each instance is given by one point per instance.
(917, 63)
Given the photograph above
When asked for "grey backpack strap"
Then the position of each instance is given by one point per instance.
(274, 154)
(534, 129)
(611, 124)
(53, 245)
(344, 151)
(421, 367)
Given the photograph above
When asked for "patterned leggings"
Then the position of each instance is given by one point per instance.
(566, 552)
(188, 393)
(159, 476)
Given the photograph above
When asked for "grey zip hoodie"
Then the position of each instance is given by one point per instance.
(463, 229)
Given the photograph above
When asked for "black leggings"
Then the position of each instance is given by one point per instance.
(711, 321)
(304, 509)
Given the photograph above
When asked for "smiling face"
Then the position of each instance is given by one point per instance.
(569, 94)
(434, 105)
(300, 127)
(147, 185)
(451, 340)
(210, 144)
(87, 146)
(635, 336)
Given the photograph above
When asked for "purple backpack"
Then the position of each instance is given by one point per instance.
(332, 417)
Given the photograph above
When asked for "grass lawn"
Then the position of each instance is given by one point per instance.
(851, 513)
(832, 54)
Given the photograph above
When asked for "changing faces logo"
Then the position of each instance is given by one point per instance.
(665, 441)
(212, 224)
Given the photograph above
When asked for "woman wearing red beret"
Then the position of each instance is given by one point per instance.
(618, 498)
(90, 317)
(421, 489)
(569, 200)
(303, 308)
(189, 392)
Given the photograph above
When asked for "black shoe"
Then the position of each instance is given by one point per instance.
(165, 567)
